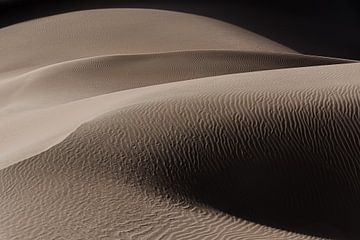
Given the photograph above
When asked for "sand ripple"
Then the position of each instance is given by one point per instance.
(147, 124)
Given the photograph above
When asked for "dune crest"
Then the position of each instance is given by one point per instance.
(149, 124)
(120, 31)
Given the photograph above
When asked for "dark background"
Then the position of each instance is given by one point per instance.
(329, 28)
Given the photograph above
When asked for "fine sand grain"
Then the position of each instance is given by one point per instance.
(149, 124)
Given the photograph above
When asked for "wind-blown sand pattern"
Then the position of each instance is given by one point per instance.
(149, 124)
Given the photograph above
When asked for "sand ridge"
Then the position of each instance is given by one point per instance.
(172, 126)
(90, 33)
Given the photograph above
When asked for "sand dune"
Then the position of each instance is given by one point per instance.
(147, 124)
(88, 77)
(112, 31)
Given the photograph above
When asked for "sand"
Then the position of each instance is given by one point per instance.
(149, 124)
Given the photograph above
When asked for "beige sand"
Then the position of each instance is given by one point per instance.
(129, 31)
(147, 124)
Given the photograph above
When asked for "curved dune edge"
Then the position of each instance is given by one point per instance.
(41, 96)
(45, 41)
(156, 146)
(126, 126)
(82, 78)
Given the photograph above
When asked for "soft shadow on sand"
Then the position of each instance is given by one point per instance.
(148, 124)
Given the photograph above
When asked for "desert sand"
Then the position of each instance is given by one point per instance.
(151, 124)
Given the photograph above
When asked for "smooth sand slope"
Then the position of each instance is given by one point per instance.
(147, 124)
(128, 31)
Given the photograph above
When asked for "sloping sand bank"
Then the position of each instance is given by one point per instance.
(146, 124)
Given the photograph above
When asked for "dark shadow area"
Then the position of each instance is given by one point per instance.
(303, 179)
(294, 188)
(328, 28)
(296, 200)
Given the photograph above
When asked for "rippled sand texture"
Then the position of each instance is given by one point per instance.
(148, 124)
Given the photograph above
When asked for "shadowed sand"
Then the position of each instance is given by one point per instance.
(147, 124)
